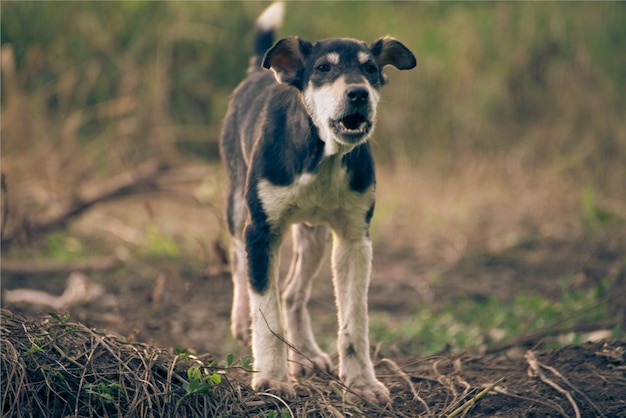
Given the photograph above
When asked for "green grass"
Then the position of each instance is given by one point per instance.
(62, 246)
(470, 324)
(159, 244)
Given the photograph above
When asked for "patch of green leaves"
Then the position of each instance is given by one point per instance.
(200, 382)
(184, 353)
(469, 323)
(202, 377)
(243, 363)
(273, 414)
(105, 392)
(160, 245)
(64, 319)
(33, 349)
(64, 247)
(593, 215)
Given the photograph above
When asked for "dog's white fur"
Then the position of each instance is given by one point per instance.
(272, 17)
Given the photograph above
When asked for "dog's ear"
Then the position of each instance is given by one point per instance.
(286, 58)
(390, 51)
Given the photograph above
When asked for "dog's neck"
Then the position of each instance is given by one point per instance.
(332, 147)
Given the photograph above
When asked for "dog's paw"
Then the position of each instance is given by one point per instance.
(240, 329)
(304, 365)
(282, 388)
(374, 393)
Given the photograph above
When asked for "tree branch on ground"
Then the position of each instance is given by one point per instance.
(31, 267)
(24, 226)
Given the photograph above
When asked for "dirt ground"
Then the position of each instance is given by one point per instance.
(192, 312)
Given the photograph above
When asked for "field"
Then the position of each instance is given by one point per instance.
(499, 233)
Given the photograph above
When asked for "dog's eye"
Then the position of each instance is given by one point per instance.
(323, 68)
(370, 68)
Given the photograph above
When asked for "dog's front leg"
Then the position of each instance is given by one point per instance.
(269, 352)
(351, 262)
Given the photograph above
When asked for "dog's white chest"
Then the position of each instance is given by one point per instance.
(322, 197)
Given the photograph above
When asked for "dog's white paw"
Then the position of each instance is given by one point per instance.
(305, 365)
(282, 388)
(374, 393)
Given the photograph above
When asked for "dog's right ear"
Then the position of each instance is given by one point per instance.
(286, 58)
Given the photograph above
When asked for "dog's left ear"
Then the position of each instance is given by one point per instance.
(390, 51)
(286, 58)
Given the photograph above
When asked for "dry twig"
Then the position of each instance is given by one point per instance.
(476, 398)
(534, 370)
(397, 370)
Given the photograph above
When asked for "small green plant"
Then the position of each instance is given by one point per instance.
(243, 363)
(33, 349)
(202, 377)
(274, 414)
(593, 215)
(199, 382)
(106, 393)
(184, 353)
(229, 359)
(51, 373)
(64, 319)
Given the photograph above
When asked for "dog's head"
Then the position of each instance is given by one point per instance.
(340, 80)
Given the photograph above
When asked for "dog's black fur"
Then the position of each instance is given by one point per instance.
(285, 151)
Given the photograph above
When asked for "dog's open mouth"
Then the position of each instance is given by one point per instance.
(353, 125)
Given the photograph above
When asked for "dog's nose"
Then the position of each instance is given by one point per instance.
(357, 95)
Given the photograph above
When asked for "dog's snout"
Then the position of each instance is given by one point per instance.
(357, 95)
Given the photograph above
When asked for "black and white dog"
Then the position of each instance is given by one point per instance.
(294, 142)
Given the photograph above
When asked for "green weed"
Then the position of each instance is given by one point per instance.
(243, 364)
(202, 377)
(63, 247)
(184, 353)
(105, 392)
(33, 349)
(200, 382)
(160, 245)
(593, 215)
(64, 319)
(273, 414)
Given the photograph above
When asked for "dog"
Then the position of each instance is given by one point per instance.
(295, 145)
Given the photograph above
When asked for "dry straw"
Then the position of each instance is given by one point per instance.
(53, 367)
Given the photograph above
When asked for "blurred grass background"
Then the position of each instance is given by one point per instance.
(511, 127)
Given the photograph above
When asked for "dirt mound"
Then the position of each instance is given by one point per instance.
(586, 381)
(52, 367)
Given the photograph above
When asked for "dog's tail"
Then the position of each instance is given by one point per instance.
(264, 30)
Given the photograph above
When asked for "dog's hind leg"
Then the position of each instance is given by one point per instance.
(309, 245)
(240, 310)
